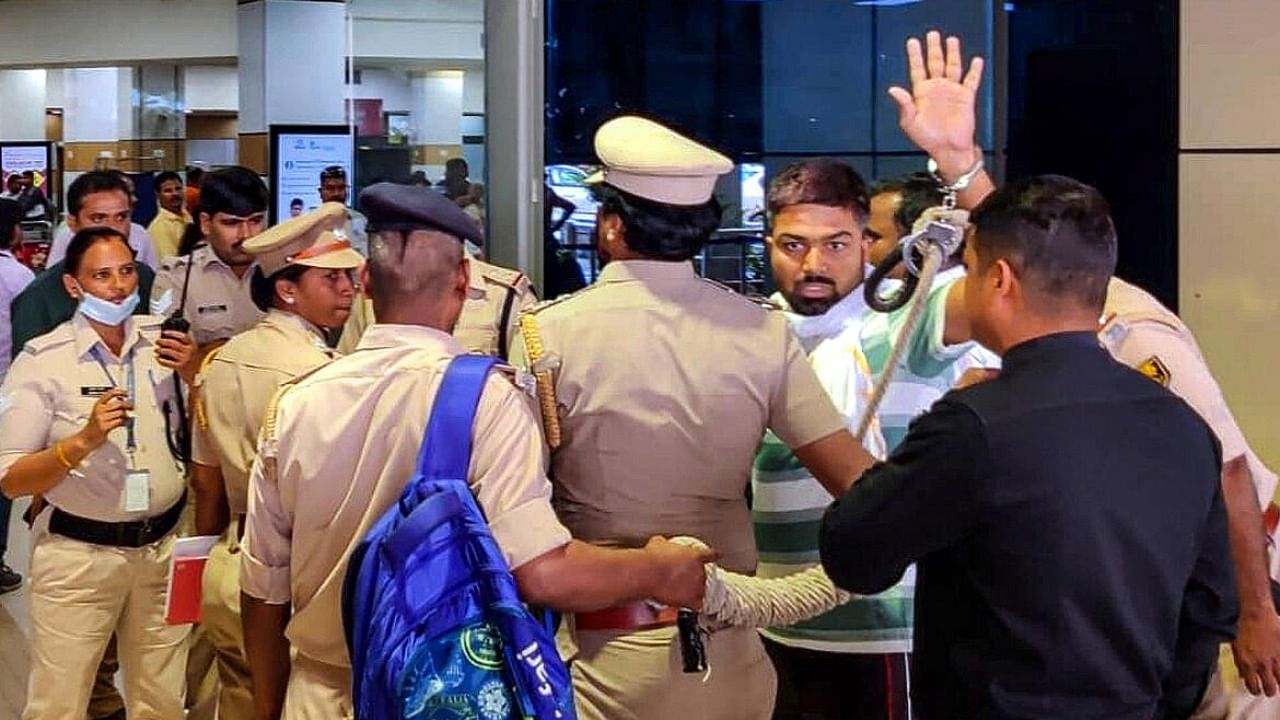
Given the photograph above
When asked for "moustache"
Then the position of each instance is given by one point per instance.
(816, 279)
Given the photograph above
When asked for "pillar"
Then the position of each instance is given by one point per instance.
(292, 64)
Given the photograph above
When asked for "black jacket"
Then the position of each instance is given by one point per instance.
(1071, 539)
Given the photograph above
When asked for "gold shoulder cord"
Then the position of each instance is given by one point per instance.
(269, 419)
(546, 390)
(202, 417)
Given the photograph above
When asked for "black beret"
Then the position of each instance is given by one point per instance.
(396, 207)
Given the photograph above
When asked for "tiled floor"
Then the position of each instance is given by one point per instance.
(14, 625)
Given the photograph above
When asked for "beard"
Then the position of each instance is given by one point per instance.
(810, 306)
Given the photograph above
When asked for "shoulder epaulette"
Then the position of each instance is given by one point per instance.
(544, 304)
(57, 337)
(501, 276)
(269, 419)
(756, 300)
(522, 379)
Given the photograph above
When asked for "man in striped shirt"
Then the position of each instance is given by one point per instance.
(849, 662)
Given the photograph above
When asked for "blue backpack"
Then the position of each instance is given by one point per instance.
(434, 625)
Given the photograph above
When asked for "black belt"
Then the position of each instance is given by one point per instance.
(117, 534)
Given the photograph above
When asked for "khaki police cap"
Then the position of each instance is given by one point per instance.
(313, 239)
(649, 160)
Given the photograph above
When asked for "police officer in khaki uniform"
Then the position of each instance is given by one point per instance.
(304, 280)
(1143, 334)
(656, 387)
(81, 422)
(495, 299)
(340, 443)
(210, 286)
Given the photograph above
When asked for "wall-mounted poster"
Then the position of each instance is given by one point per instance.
(298, 154)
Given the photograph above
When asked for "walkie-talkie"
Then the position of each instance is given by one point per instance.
(179, 438)
(176, 322)
(693, 653)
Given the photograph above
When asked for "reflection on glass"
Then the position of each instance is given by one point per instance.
(768, 83)
(415, 90)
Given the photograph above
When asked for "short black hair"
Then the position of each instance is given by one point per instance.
(195, 174)
(659, 230)
(96, 181)
(295, 201)
(262, 289)
(333, 171)
(820, 181)
(1055, 232)
(10, 215)
(165, 177)
(233, 190)
(87, 238)
(456, 162)
(919, 192)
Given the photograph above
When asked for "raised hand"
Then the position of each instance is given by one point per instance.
(939, 113)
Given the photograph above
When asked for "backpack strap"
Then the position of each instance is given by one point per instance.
(446, 444)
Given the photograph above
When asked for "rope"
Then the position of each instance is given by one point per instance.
(747, 601)
(932, 261)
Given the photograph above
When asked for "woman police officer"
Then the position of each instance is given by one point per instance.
(81, 423)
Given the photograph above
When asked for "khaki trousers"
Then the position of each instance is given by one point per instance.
(638, 675)
(220, 615)
(80, 595)
(317, 691)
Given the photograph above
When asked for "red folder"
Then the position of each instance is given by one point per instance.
(186, 574)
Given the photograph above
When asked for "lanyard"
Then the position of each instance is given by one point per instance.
(131, 444)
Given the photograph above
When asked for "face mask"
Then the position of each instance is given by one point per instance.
(105, 311)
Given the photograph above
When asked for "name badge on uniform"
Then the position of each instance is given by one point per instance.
(208, 309)
(94, 390)
(137, 490)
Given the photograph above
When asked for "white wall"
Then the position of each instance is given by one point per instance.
(418, 29)
(1227, 211)
(55, 95)
(212, 87)
(437, 108)
(390, 86)
(305, 44)
(473, 91)
(92, 104)
(251, 72)
(22, 103)
(40, 33)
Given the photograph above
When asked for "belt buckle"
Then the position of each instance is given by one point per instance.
(144, 530)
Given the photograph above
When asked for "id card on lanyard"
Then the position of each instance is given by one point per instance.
(136, 496)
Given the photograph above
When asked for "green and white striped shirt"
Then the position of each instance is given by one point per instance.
(788, 503)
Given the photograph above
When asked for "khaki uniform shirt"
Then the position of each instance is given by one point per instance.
(1143, 334)
(166, 232)
(235, 388)
(338, 452)
(49, 393)
(478, 327)
(218, 303)
(665, 383)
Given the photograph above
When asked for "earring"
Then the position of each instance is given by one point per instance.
(289, 300)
